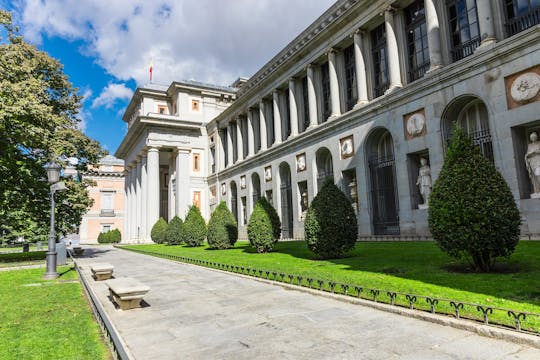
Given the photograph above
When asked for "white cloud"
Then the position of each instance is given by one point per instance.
(110, 94)
(208, 40)
(84, 115)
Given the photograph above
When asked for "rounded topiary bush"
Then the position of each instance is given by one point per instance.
(330, 226)
(102, 238)
(472, 214)
(222, 228)
(194, 227)
(260, 228)
(109, 237)
(159, 231)
(274, 217)
(175, 231)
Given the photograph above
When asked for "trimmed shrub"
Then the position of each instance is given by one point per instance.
(222, 228)
(260, 228)
(274, 217)
(330, 225)
(194, 227)
(175, 231)
(472, 214)
(108, 237)
(159, 231)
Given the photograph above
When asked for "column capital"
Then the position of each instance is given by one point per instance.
(153, 148)
(331, 51)
(359, 31)
(182, 150)
(389, 9)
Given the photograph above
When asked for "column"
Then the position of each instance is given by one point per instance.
(251, 133)
(433, 35)
(293, 108)
(394, 72)
(277, 117)
(360, 67)
(134, 204)
(139, 200)
(153, 185)
(145, 229)
(262, 125)
(183, 189)
(239, 139)
(334, 84)
(230, 145)
(127, 201)
(312, 97)
(485, 22)
(171, 196)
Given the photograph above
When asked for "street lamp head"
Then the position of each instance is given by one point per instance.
(53, 172)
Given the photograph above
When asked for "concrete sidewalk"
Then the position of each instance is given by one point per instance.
(197, 313)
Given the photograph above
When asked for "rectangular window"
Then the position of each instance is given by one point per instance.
(197, 199)
(417, 43)
(269, 196)
(196, 162)
(287, 120)
(350, 78)
(521, 15)
(107, 201)
(195, 105)
(244, 210)
(325, 76)
(213, 159)
(464, 29)
(106, 227)
(380, 64)
(162, 109)
(306, 102)
(225, 142)
(270, 122)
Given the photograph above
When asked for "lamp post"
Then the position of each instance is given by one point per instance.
(53, 176)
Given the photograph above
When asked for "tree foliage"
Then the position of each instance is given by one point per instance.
(159, 231)
(222, 228)
(109, 237)
(472, 213)
(194, 227)
(38, 123)
(274, 217)
(261, 230)
(330, 225)
(175, 231)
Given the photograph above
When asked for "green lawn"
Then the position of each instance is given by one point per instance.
(406, 267)
(47, 319)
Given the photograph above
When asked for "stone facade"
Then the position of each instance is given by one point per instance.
(107, 212)
(362, 95)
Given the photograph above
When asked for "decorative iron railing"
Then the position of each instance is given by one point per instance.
(461, 51)
(509, 319)
(523, 22)
(418, 71)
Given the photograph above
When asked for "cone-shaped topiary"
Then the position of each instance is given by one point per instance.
(472, 213)
(108, 237)
(159, 231)
(330, 225)
(274, 217)
(175, 231)
(222, 228)
(261, 232)
(194, 227)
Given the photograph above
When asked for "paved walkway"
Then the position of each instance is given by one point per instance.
(197, 313)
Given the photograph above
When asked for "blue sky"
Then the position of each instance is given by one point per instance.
(106, 46)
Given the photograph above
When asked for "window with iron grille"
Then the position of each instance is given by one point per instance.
(287, 120)
(380, 61)
(464, 29)
(271, 137)
(325, 91)
(306, 102)
(521, 15)
(350, 78)
(417, 42)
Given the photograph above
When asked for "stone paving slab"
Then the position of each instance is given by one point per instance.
(198, 313)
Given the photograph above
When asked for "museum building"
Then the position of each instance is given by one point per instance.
(366, 95)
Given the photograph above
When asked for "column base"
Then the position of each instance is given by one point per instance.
(433, 68)
(392, 88)
(333, 116)
(486, 44)
(535, 196)
(50, 276)
(360, 103)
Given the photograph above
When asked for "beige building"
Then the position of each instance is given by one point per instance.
(107, 212)
(362, 96)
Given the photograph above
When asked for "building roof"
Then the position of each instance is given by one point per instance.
(111, 160)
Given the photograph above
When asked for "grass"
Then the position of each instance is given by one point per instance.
(406, 267)
(47, 319)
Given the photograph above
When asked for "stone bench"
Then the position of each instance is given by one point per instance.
(101, 271)
(127, 292)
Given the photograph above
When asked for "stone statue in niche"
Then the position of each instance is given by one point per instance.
(424, 182)
(532, 160)
(304, 205)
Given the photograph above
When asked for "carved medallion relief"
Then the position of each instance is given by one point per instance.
(414, 124)
(523, 88)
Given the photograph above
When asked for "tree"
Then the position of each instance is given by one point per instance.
(175, 231)
(273, 216)
(260, 229)
(159, 231)
(222, 228)
(472, 214)
(330, 225)
(38, 123)
(194, 227)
